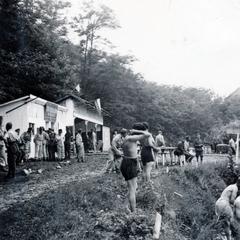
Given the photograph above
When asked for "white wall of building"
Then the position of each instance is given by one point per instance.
(17, 117)
(106, 138)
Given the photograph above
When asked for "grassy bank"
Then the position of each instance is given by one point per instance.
(95, 208)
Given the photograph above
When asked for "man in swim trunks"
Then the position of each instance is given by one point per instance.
(223, 206)
(147, 154)
(129, 165)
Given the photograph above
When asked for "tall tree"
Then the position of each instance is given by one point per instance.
(88, 25)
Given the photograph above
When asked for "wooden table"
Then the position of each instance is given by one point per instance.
(164, 151)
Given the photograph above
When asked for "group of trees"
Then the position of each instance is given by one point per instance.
(36, 56)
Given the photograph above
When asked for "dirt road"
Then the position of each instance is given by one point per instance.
(23, 188)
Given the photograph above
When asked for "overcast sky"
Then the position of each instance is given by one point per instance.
(180, 42)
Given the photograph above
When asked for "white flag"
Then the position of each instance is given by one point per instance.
(78, 88)
(98, 104)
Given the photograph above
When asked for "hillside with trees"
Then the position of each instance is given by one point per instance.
(37, 57)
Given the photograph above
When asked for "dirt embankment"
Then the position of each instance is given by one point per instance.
(80, 202)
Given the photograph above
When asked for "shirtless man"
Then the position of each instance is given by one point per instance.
(236, 223)
(223, 206)
(129, 164)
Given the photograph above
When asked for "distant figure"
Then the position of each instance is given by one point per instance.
(67, 144)
(60, 145)
(223, 208)
(20, 143)
(160, 139)
(12, 150)
(115, 132)
(188, 155)
(80, 146)
(129, 165)
(52, 145)
(232, 145)
(94, 140)
(198, 145)
(160, 142)
(179, 151)
(148, 153)
(45, 145)
(2, 148)
(38, 140)
(26, 140)
(115, 152)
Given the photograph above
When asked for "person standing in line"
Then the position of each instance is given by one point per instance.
(160, 139)
(160, 142)
(188, 155)
(115, 132)
(26, 140)
(60, 145)
(179, 151)
(80, 146)
(129, 165)
(198, 145)
(38, 140)
(94, 140)
(148, 154)
(117, 149)
(45, 145)
(67, 144)
(232, 145)
(2, 148)
(52, 145)
(21, 152)
(115, 152)
(12, 150)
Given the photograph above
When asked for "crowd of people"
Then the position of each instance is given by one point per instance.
(15, 147)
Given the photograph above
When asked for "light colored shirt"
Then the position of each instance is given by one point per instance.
(160, 140)
(94, 137)
(1, 136)
(79, 139)
(38, 138)
(60, 139)
(186, 145)
(11, 136)
(232, 143)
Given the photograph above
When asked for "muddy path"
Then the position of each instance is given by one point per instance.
(23, 188)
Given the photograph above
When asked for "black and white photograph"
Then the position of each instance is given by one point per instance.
(119, 119)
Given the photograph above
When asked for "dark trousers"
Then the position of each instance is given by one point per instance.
(11, 159)
(51, 153)
(67, 150)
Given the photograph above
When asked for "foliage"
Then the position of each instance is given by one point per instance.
(37, 57)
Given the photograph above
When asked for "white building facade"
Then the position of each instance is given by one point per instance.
(69, 112)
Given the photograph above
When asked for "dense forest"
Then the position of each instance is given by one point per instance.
(37, 57)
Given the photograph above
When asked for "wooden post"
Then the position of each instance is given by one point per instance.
(163, 157)
(237, 152)
(157, 226)
(158, 219)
